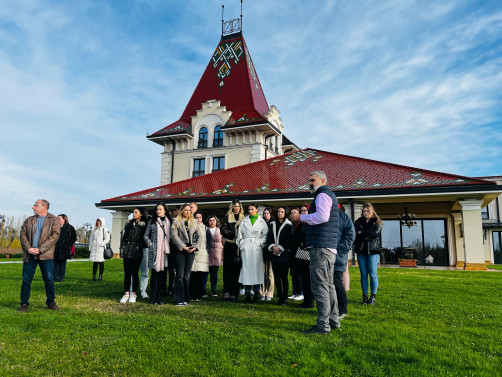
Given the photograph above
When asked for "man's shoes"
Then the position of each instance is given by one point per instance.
(53, 306)
(144, 294)
(315, 330)
(23, 308)
(342, 316)
(124, 299)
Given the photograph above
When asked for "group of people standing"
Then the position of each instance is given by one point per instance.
(257, 253)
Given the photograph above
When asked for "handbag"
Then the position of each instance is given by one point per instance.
(302, 254)
(108, 253)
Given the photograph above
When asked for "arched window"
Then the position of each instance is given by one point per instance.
(202, 138)
(218, 137)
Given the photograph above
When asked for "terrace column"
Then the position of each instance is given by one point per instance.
(459, 242)
(119, 219)
(358, 207)
(473, 234)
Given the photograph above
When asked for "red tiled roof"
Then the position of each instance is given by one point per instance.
(288, 174)
(231, 78)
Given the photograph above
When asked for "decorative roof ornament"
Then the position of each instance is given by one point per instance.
(232, 26)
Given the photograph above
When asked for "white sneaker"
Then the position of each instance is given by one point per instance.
(124, 299)
(268, 298)
(242, 292)
(298, 298)
(132, 298)
(144, 294)
(252, 293)
(263, 298)
(292, 297)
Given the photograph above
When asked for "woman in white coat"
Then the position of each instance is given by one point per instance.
(200, 264)
(100, 236)
(251, 238)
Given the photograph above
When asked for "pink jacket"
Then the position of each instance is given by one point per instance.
(216, 253)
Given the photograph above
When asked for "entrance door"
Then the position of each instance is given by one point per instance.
(497, 247)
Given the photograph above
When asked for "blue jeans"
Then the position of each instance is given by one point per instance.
(368, 265)
(47, 269)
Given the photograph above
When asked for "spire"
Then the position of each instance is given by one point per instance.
(231, 26)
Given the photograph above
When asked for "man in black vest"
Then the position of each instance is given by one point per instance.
(321, 238)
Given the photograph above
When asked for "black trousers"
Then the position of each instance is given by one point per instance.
(59, 269)
(95, 267)
(341, 294)
(131, 268)
(183, 266)
(281, 281)
(157, 282)
(303, 267)
(196, 285)
(231, 270)
(171, 273)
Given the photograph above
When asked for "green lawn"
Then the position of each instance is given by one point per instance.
(425, 323)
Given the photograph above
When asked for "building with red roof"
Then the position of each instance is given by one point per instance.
(228, 143)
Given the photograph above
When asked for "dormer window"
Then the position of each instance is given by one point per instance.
(202, 138)
(218, 137)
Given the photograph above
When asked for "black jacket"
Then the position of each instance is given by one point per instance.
(367, 236)
(133, 242)
(67, 238)
(283, 234)
(345, 240)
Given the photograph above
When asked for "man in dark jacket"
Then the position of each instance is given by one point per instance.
(39, 234)
(345, 240)
(321, 238)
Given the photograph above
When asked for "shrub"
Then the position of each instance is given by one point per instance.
(82, 252)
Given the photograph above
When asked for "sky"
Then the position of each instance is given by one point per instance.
(418, 83)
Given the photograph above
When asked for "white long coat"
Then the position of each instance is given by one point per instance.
(201, 259)
(251, 239)
(99, 238)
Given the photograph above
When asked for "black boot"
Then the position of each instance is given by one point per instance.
(248, 297)
(365, 299)
(372, 299)
(93, 277)
(255, 297)
(100, 277)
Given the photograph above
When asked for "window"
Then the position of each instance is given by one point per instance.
(484, 213)
(497, 247)
(199, 167)
(218, 137)
(218, 163)
(425, 242)
(202, 138)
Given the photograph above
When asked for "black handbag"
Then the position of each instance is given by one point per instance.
(108, 253)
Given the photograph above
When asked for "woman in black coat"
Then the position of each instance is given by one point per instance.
(367, 246)
(301, 258)
(62, 252)
(279, 236)
(231, 261)
(131, 250)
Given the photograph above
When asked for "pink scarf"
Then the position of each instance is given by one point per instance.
(162, 243)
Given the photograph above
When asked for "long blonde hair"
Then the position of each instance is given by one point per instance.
(179, 220)
(374, 215)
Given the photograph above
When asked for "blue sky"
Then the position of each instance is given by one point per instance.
(417, 83)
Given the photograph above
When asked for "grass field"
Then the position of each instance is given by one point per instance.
(425, 323)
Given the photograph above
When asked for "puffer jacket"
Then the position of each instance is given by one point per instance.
(99, 238)
(345, 239)
(133, 242)
(367, 236)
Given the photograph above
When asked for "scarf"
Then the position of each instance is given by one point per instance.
(253, 218)
(162, 242)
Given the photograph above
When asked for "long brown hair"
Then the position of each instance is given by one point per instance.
(374, 215)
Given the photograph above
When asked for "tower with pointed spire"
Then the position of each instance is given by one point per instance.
(227, 121)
